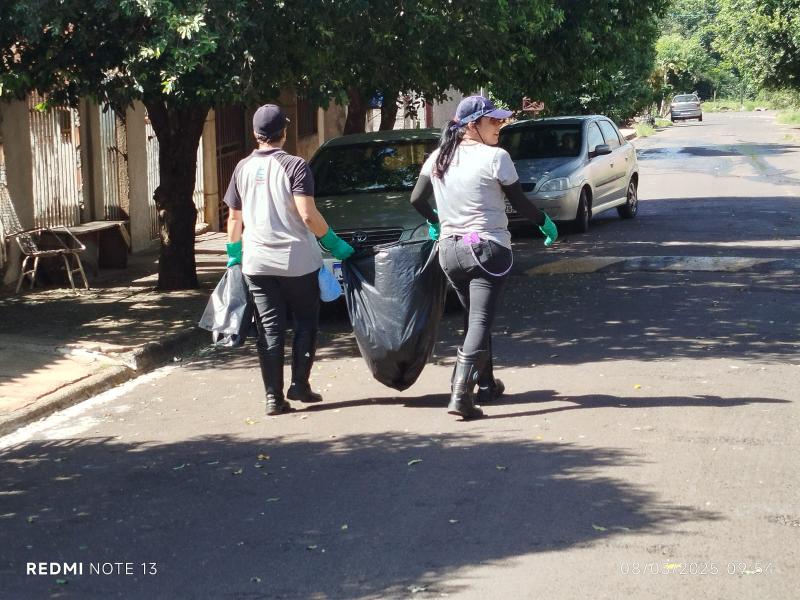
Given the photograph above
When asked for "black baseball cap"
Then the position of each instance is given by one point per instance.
(269, 120)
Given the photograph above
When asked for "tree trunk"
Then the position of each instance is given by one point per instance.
(178, 130)
(388, 111)
(356, 113)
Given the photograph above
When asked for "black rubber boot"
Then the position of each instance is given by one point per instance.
(492, 391)
(303, 350)
(272, 374)
(489, 388)
(465, 375)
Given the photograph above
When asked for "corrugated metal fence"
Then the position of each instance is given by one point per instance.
(110, 164)
(57, 186)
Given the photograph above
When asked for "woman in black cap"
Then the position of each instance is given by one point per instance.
(470, 179)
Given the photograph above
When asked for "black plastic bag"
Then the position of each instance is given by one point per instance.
(229, 312)
(395, 297)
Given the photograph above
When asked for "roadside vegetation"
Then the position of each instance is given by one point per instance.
(789, 118)
(644, 130)
(735, 54)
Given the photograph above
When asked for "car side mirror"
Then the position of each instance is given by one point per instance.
(600, 150)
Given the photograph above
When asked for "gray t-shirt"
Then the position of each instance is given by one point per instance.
(469, 197)
(275, 239)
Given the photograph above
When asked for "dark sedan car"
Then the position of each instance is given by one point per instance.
(364, 182)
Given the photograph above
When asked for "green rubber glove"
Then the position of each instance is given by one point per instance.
(340, 249)
(548, 229)
(434, 229)
(234, 250)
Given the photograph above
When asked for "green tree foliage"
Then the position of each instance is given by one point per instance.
(681, 61)
(685, 56)
(598, 59)
(427, 46)
(179, 57)
(762, 37)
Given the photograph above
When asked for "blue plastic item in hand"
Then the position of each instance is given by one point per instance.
(329, 287)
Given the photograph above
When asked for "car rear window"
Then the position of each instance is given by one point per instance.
(542, 141)
(371, 167)
(686, 98)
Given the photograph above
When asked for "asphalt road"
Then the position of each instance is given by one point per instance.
(647, 446)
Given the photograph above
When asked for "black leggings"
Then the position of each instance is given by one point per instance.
(478, 291)
(272, 296)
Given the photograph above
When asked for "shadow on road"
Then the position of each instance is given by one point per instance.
(718, 150)
(495, 409)
(355, 517)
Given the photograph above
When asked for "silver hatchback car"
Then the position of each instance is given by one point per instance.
(573, 167)
(685, 106)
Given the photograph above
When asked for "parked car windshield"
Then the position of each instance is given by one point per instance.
(686, 98)
(372, 167)
(543, 141)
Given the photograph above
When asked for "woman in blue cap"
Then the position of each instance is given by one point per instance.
(470, 179)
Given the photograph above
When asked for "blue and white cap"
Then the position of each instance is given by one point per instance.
(473, 108)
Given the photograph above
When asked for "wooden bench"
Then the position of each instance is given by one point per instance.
(107, 244)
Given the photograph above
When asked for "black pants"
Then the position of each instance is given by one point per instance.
(478, 292)
(274, 296)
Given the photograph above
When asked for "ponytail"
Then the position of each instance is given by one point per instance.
(452, 135)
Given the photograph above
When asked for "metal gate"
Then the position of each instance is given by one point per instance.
(153, 179)
(232, 146)
(57, 186)
(112, 164)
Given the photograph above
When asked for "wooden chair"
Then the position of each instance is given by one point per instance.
(40, 242)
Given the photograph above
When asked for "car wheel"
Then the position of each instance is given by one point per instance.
(700, 118)
(631, 206)
(581, 222)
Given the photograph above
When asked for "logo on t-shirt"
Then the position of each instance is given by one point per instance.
(261, 176)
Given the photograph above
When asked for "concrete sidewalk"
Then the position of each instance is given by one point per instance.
(58, 348)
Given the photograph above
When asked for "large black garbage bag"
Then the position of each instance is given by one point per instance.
(395, 298)
(229, 312)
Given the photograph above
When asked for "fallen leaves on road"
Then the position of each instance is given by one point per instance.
(599, 528)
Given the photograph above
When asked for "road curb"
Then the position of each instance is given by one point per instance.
(135, 363)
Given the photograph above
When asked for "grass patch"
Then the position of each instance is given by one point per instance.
(720, 106)
(644, 130)
(789, 118)
(663, 123)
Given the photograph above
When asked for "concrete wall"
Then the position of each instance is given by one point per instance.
(18, 156)
(137, 171)
(443, 111)
(333, 121)
(210, 180)
(91, 162)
